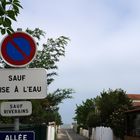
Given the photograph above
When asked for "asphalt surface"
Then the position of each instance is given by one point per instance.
(62, 135)
(69, 134)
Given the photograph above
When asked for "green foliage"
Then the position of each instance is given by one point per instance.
(9, 10)
(93, 119)
(42, 115)
(107, 110)
(112, 105)
(6, 120)
(55, 98)
(109, 101)
(83, 110)
(46, 110)
(47, 58)
(50, 54)
(58, 119)
(117, 121)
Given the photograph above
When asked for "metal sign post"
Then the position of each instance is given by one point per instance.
(17, 50)
(16, 124)
(16, 120)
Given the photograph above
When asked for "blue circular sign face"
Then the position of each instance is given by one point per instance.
(18, 49)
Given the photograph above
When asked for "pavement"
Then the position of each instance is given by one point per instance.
(62, 135)
(69, 134)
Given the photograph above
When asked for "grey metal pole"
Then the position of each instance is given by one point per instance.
(16, 120)
(19, 29)
(16, 124)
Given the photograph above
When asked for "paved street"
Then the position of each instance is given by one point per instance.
(69, 134)
(62, 135)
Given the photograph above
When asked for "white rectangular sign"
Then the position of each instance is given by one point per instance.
(30, 83)
(18, 108)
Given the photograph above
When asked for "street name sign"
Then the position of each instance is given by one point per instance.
(30, 83)
(17, 135)
(18, 49)
(17, 108)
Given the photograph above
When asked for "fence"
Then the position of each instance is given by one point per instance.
(51, 133)
(99, 133)
(102, 133)
(84, 132)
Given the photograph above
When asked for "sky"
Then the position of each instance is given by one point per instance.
(104, 51)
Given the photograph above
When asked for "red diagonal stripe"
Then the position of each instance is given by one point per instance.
(18, 48)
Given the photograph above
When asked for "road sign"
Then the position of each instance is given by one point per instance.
(18, 108)
(17, 135)
(23, 83)
(18, 49)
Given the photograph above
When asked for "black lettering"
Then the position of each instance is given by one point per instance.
(10, 106)
(5, 111)
(30, 89)
(24, 89)
(23, 77)
(7, 89)
(23, 110)
(19, 111)
(16, 111)
(34, 89)
(16, 77)
(4, 89)
(39, 89)
(16, 89)
(10, 77)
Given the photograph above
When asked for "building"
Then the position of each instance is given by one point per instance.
(133, 119)
(135, 99)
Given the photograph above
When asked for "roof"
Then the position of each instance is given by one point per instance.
(133, 110)
(135, 99)
(136, 104)
(134, 96)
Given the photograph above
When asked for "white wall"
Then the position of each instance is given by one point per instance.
(51, 133)
(85, 133)
(103, 133)
(99, 133)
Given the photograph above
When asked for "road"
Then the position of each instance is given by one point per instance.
(69, 134)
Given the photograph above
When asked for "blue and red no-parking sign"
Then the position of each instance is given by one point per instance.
(18, 49)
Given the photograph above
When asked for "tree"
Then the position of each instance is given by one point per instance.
(47, 58)
(112, 105)
(93, 119)
(9, 10)
(82, 111)
(117, 121)
(46, 110)
(107, 110)
(55, 98)
(110, 101)
(50, 54)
